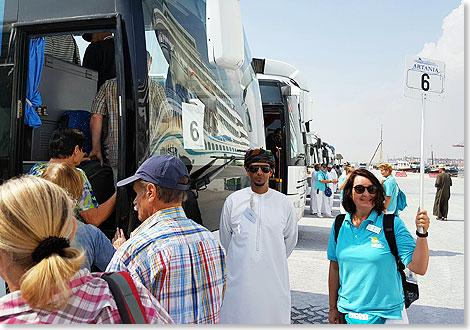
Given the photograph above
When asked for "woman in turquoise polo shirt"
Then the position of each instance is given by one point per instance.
(364, 284)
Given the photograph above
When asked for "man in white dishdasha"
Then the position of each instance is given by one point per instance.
(258, 230)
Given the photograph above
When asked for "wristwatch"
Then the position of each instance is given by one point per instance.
(421, 235)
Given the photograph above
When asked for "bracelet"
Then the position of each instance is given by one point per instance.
(333, 309)
(421, 235)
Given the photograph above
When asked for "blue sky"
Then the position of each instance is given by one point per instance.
(353, 55)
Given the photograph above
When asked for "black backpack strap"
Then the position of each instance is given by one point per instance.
(388, 224)
(390, 233)
(338, 223)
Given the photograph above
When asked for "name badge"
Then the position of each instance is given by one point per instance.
(248, 213)
(359, 316)
(373, 228)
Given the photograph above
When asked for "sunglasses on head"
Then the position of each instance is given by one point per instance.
(264, 168)
(360, 189)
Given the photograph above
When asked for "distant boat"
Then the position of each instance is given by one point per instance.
(431, 170)
(415, 167)
(402, 165)
(452, 170)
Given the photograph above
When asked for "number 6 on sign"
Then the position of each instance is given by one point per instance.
(193, 123)
(425, 82)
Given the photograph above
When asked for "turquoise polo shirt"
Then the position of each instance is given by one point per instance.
(368, 275)
(321, 176)
(391, 189)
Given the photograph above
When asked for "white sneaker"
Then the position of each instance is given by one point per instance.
(319, 215)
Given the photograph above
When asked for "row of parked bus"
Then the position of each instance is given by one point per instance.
(218, 100)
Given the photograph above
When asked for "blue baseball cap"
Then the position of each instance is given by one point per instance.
(163, 171)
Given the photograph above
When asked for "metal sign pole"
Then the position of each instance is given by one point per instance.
(421, 166)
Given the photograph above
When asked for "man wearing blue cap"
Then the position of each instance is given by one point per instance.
(178, 260)
(258, 229)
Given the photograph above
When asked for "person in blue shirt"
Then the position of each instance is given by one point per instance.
(341, 183)
(313, 199)
(320, 186)
(98, 248)
(391, 189)
(363, 282)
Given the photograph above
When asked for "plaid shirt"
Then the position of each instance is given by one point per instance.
(106, 103)
(180, 262)
(91, 302)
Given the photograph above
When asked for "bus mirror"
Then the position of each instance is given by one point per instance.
(290, 90)
(311, 151)
(225, 45)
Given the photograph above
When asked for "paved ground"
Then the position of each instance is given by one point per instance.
(441, 289)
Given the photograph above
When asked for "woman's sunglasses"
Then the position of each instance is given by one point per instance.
(264, 168)
(360, 189)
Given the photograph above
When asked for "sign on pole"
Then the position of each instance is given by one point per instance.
(423, 75)
(424, 79)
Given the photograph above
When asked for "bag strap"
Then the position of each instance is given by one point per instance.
(338, 223)
(390, 234)
(126, 296)
(392, 243)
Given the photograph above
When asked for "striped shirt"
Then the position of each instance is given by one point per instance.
(91, 302)
(106, 104)
(63, 47)
(180, 262)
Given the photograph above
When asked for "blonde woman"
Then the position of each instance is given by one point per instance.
(97, 246)
(42, 270)
(391, 189)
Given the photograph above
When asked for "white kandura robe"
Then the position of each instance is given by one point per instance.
(257, 288)
(333, 186)
(332, 175)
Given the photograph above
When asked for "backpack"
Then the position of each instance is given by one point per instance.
(127, 299)
(410, 289)
(401, 200)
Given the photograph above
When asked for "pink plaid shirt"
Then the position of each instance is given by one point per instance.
(91, 302)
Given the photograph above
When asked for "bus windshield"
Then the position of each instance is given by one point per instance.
(194, 106)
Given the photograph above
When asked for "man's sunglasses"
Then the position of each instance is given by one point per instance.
(360, 189)
(264, 168)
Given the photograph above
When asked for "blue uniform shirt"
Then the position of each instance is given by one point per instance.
(321, 176)
(368, 275)
(391, 189)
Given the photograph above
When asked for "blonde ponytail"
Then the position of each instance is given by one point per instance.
(32, 210)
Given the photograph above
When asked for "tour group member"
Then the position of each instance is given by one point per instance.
(98, 248)
(441, 200)
(333, 177)
(391, 189)
(313, 199)
(363, 282)
(178, 260)
(341, 183)
(41, 269)
(258, 229)
(66, 146)
(323, 204)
